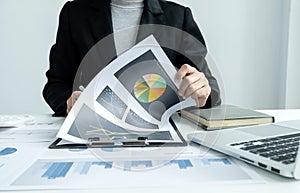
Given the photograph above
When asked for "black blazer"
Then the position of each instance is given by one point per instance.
(83, 23)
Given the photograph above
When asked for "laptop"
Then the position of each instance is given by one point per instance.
(273, 147)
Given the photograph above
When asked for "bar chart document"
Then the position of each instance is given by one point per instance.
(87, 173)
(133, 96)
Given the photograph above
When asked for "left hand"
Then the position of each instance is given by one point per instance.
(194, 84)
(71, 101)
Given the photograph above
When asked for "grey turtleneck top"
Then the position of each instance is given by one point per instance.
(126, 16)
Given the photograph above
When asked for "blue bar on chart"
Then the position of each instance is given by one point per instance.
(128, 165)
(57, 170)
(87, 165)
(182, 164)
(7, 151)
(213, 161)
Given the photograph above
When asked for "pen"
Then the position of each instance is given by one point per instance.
(81, 88)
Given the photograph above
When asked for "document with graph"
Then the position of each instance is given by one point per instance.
(134, 96)
(85, 173)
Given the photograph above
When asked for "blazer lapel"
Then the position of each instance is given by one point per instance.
(100, 24)
(102, 28)
(152, 14)
(101, 21)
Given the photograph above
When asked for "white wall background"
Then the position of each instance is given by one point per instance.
(293, 65)
(254, 43)
(248, 40)
(27, 30)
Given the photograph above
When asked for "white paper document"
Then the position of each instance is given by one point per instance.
(86, 168)
(33, 133)
(134, 96)
(14, 157)
(94, 173)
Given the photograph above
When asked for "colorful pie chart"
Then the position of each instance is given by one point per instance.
(149, 88)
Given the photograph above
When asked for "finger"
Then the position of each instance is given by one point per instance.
(201, 101)
(75, 96)
(192, 88)
(70, 102)
(68, 110)
(200, 83)
(190, 81)
(201, 95)
(69, 105)
(183, 71)
(77, 93)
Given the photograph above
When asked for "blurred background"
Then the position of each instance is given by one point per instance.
(254, 43)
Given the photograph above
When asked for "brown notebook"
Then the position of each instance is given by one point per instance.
(225, 116)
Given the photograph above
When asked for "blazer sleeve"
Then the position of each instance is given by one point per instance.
(62, 68)
(196, 51)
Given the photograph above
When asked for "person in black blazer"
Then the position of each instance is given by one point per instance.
(83, 23)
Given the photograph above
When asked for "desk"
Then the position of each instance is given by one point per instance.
(273, 183)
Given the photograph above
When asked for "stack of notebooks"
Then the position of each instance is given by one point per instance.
(225, 116)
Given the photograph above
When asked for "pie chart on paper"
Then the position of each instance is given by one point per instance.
(149, 88)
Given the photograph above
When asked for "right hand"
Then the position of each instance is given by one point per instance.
(194, 84)
(71, 101)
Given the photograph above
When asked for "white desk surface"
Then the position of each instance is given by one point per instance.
(273, 183)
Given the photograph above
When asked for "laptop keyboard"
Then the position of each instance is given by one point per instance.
(281, 148)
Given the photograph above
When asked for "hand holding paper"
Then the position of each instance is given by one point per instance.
(134, 95)
(71, 101)
(194, 84)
